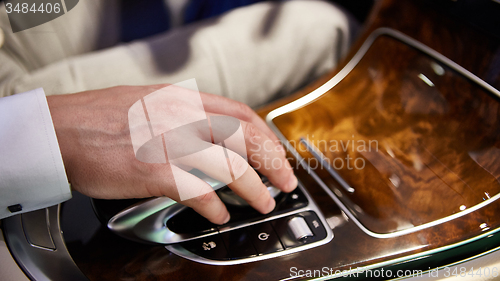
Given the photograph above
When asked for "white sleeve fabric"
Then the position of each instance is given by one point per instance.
(32, 174)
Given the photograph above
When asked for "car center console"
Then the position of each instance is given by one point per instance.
(295, 224)
(426, 195)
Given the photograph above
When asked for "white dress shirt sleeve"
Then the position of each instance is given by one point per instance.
(32, 174)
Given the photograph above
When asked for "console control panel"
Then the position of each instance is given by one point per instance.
(189, 221)
(295, 224)
(260, 239)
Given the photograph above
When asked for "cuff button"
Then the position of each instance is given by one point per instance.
(15, 208)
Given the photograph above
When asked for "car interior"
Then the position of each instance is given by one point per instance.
(397, 152)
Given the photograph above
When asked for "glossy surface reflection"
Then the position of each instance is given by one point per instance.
(415, 140)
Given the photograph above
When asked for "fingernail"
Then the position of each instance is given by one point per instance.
(270, 205)
(228, 217)
(292, 182)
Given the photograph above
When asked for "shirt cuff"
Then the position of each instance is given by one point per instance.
(32, 174)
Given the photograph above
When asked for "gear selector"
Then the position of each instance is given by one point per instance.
(249, 235)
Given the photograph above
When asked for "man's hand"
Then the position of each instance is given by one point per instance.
(93, 133)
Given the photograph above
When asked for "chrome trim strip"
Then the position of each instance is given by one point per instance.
(145, 221)
(420, 255)
(180, 251)
(308, 98)
(455, 263)
(40, 263)
(305, 100)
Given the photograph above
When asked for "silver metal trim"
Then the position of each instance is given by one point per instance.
(37, 262)
(180, 251)
(426, 253)
(146, 221)
(308, 98)
(299, 228)
(47, 219)
(454, 263)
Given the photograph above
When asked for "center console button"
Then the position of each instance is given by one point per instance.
(210, 247)
(315, 225)
(285, 234)
(299, 228)
(291, 231)
(293, 200)
(265, 239)
(238, 242)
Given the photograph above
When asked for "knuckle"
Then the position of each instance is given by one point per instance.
(252, 133)
(206, 198)
(207, 206)
(238, 164)
(245, 110)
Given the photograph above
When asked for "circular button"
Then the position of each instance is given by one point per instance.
(263, 236)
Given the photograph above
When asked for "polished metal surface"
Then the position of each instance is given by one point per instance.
(41, 263)
(299, 228)
(146, 221)
(36, 229)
